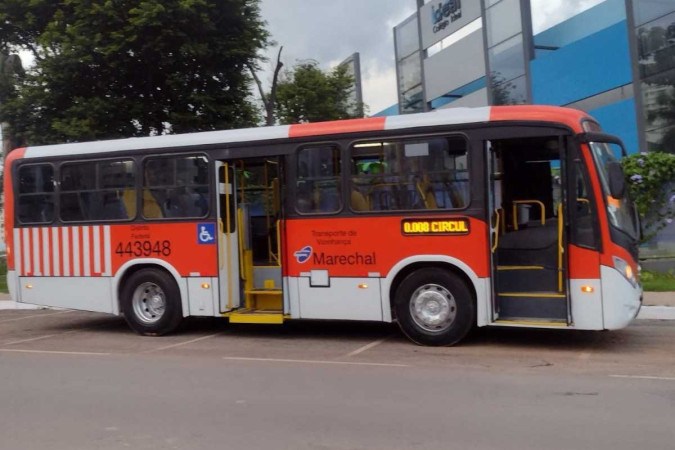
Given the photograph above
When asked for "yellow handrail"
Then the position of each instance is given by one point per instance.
(524, 202)
(496, 241)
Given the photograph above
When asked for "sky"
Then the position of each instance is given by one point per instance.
(330, 31)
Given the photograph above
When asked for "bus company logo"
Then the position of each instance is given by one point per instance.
(447, 12)
(303, 255)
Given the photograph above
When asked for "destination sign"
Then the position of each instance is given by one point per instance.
(421, 227)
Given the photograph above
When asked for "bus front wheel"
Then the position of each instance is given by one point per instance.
(151, 302)
(434, 307)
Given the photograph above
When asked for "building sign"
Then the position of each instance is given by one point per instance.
(444, 13)
(441, 18)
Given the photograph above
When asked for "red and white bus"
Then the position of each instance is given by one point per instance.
(497, 216)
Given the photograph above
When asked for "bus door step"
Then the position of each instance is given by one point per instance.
(246, 315)
(534, 305)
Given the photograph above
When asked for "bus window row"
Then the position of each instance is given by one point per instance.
(106, 190)
(385, 175)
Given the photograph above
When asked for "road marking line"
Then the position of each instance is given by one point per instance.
(32, 339)
(166, 347)
(309, 361)
(644, 377)
(54, 352)
(35, 315)
(368, 346)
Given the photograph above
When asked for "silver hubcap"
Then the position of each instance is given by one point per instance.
(149, 303)
(433, 308)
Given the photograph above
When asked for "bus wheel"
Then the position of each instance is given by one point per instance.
(151, 302)
(434, 307)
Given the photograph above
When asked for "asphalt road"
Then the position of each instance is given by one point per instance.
(75, 380)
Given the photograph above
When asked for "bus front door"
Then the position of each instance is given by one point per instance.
(529, 264)
(228, 238)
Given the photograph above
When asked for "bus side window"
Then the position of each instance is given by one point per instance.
(36, 194)
(175, 187)
(318, 188)
(401, 175)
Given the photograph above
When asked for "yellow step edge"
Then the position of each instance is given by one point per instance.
(256, 316)
(264, 291)
(531, 294)
(520, 267)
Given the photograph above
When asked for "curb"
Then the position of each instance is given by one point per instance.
(8, 304)
(657, 313)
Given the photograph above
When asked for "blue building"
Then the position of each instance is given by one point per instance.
(615, 60)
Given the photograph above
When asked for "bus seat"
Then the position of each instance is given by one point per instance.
(111, 207)
(426, 191)
(151, 208)
(129, 201)
(359, 201)
(329, 200)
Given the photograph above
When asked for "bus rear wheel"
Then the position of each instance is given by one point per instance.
(151, 302)
(434, 307)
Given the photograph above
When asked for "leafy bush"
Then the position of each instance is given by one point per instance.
(651, 182)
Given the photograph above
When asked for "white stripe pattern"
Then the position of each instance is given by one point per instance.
(63, 251)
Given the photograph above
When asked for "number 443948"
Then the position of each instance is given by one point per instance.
(143, 248)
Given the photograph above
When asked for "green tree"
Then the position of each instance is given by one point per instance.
(120, 68)
(651, 181)
(308, 94)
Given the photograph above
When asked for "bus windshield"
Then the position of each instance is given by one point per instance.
(621, 211)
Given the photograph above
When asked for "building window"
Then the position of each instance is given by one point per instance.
(401, 175)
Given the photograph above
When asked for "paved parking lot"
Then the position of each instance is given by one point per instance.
(76, 380)
(646, 348)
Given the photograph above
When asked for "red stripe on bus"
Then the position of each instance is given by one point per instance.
(31, 267)
(336, 127)
(570, 117)
(47, 256)
(92, 241)
(9, 206)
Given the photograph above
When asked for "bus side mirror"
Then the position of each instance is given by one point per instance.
(617, 182)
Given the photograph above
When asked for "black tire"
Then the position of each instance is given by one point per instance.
(444, 297)
(151, 302)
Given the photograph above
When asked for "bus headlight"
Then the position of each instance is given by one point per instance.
(626, 270)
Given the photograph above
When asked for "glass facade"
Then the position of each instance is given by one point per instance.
(507, 62)
(655, 32)
(503, 21)
(409, 66)
(654, 22)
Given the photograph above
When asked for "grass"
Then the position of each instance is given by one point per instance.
(657, 282)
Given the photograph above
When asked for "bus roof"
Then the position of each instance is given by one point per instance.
(452, 116)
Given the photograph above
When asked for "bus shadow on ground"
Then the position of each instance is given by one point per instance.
(546, 339)
(301, 329)
(345, 331)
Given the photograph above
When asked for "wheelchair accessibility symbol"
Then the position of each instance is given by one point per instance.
(206, 233)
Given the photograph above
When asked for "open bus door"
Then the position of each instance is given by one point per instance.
(228, 238)
(248, 241)
(528, 234)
